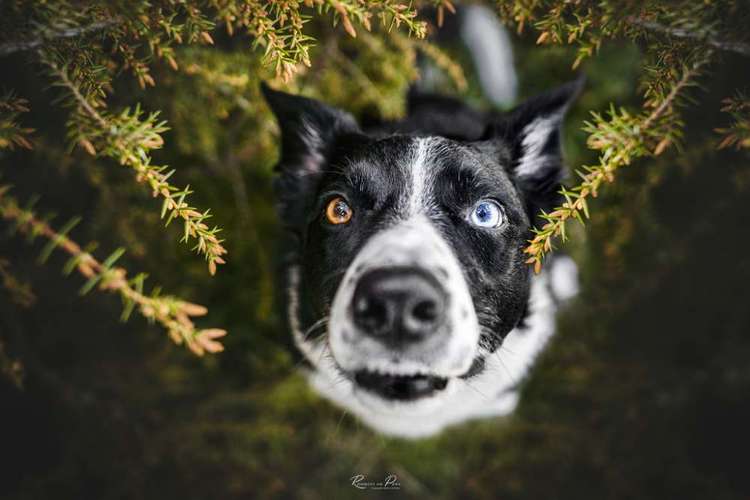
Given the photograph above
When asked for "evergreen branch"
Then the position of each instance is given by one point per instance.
(278, 27)
(8, 48)
(172, 313)
(20, 293)
(705, 37)
(738, 133)
(391, 13)
(620, 139)
(444, 61)
(11, 133)
(128, 139)
(588, 23)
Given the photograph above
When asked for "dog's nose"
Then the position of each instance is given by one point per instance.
(398, 305)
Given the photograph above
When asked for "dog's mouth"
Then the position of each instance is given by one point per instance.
(399, 387)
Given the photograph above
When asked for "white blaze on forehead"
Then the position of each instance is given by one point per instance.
(418, 190)
(535, 136)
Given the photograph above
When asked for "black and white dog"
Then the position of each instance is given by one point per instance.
(408, 294)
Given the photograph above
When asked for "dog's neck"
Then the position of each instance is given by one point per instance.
(493, 392)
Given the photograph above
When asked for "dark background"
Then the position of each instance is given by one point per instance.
(643, 393)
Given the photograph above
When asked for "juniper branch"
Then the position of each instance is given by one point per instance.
(8, 48)
(11, 133)
(621, 138)
(172, 313)
(707, 38)
(738, 133)
(20, 292)
(128, 140)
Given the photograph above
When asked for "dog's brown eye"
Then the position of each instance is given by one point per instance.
(338, 211)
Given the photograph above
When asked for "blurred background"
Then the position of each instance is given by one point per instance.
(643, 392)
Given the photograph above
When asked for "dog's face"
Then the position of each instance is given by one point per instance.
(409, 268)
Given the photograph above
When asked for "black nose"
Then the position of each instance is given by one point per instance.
(398, 304)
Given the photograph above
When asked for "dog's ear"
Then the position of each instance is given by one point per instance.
(309, 132)
(308, 129)
(531, 131)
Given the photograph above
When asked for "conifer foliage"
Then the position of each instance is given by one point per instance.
(217, 52)
(84, 50)
(679, 41)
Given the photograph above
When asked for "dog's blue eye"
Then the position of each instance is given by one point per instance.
(486, 213)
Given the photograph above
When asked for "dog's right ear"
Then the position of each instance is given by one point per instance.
(309, 132)
(309, 129)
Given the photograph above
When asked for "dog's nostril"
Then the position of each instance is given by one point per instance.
(398, 304)
(421, 319)
(370, 314)
(426, 311)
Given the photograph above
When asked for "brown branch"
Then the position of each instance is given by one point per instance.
(174, 200)
(172, 313)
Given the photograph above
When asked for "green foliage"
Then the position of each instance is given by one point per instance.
(128, 137)
(678, 38)
(642, 393)
(738, 133)
(172, 313)
(12, 134)
(621, 137)
(88, 48)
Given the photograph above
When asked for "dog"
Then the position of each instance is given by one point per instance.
(408, 292)
(408, 295)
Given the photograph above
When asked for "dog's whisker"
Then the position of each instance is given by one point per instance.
(507, 371)
(341, 420)
(311, 329)
(469, 385)
(505, 349)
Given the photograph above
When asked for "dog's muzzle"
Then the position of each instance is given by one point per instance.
(402, 322)
(401, 308)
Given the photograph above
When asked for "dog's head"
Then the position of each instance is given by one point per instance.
(409, 267)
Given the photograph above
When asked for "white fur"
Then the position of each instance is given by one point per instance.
(419, 188)
(494, 392)
(535, 135)
(414, 242)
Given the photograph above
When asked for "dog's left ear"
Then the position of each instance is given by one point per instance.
(532, 133)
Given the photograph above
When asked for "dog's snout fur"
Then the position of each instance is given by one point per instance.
(398, 270)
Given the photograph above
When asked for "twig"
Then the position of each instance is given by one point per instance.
(576, 198)
(172, 313)
(23, 45)
(20, 293)
(705, 37)
(174, 200)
